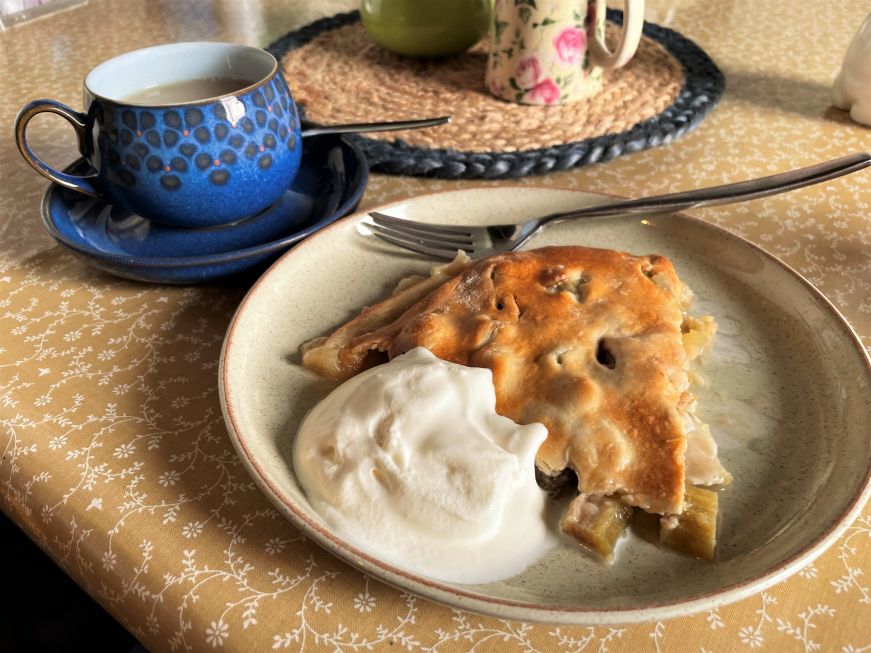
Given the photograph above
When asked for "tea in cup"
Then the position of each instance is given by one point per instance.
(553, 51)
(185, 134)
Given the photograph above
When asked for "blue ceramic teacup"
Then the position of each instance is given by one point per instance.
(186, 134)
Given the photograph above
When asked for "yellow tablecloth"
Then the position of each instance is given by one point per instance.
(115, 458)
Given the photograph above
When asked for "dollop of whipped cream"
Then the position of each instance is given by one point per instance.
(410, 462)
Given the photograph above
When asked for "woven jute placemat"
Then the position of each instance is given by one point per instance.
(338, 74)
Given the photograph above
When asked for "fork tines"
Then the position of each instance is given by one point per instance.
(441, 241)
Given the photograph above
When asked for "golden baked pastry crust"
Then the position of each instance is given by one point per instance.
(586, 341)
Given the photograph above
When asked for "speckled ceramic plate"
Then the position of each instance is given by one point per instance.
(789, 399)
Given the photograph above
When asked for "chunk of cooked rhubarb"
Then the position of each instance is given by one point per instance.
(693, 531)
(597, 522)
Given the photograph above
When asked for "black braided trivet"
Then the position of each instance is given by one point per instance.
(703, 86)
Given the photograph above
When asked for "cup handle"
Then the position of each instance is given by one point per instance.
(77, 120)
(633, 23)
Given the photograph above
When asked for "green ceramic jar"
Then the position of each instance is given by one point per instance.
(426, 28)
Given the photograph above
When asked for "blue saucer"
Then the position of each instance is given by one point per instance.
(331, 180)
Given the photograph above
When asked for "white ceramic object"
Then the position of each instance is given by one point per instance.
(788, 398)
(852, 88)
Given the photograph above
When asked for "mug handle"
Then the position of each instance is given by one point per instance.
(77, 120)
(633, 23)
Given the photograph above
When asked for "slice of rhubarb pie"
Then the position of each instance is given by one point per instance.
(592, 343)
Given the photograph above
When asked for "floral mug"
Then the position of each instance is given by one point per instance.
(553, 51)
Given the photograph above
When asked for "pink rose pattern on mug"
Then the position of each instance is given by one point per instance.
(550, 51)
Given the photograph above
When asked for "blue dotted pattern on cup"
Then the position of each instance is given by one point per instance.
(168, 156)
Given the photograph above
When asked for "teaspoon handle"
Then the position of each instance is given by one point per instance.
(314, 129)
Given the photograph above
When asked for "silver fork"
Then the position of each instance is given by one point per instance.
(443, 241)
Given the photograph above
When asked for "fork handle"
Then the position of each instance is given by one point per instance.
(725, 194)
